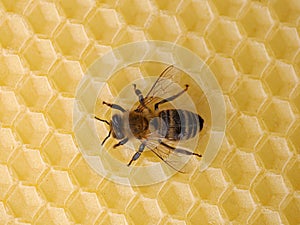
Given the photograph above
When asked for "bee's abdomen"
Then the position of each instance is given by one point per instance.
(181, 124)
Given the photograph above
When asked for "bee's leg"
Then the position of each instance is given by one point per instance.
(122, 142)
(138, 153)
(179, 150)
(140, 95)
(171, 98)
(114, 106)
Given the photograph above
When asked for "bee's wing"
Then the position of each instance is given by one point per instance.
(162, 86)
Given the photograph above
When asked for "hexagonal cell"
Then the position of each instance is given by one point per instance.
(144, 211)
(15, 5)
(253, 58)
(257, 21)
(9, 107)
(40, 55)
(7, 144)
(15, 30)
(278, 116)
(287, 11)
(294, 137)
(11, 70)
(196, 15)
(28, 165)
(230, 8)
(206, 214)
(225, 72)
(85, 208)
(238, 205)
(36, 92)
(56, 186)
(285, 43)
(291, 210)
(44, 18)
(84, 174)
(242, 168)
(72, 40)
(135, 12)
(94, 52)
(66, 76)
(281, 79)
(60, 149)
(250, 95)
(110, 25)
(274, 153)
(271, 190)
(292, 174)
(246, 132)
(224, 36)
(164, 28)
(177, 198)
(268, 217)
(77, 9)
(60, 112)
(5, 181)
(210, 184)
(55, 215)
(24, 202)
(32, 128)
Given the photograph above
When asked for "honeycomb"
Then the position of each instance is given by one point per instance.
(253, 49)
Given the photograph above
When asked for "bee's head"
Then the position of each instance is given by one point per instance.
(117, 126)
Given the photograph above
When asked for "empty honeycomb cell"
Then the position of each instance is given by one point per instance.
(292, 173)
(40, 55)
(28, 165)
(230, 8)
(291, 210)
(72, 40)
(225, 72)
(84, 176)
(250, 95)
(24, 202)
(77, 9)
(32, 128)
(224, 36)
(56, 187)
(7, 144)
(85, 208)
(257, 21)
(36, 92)
(52, 216)
(176, 198)
(267, 217)
(163, 28)
(60, 113)
(9, 107)
(43, 18)
(287, 12)
(196, 15)
(281, 79)
(14, 32)
(136, 12)
(104, 24)
(246, 132)
(285, 43)
(11, 70)
(278, 116)
(274, 153)
(66, 76)
(144, 211)
(242, 169)
(5, 182)
(123, 195)
(94, 52)
(253, 58)
(271, 190)
(206, 214)
(210, 184)
(60, 149)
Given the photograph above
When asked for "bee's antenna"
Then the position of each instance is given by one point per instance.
(104, 121)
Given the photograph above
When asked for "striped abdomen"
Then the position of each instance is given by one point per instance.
(180, 124)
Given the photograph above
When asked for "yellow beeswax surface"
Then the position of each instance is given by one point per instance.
(252, 48)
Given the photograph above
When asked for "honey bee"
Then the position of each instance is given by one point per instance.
(153, 127)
